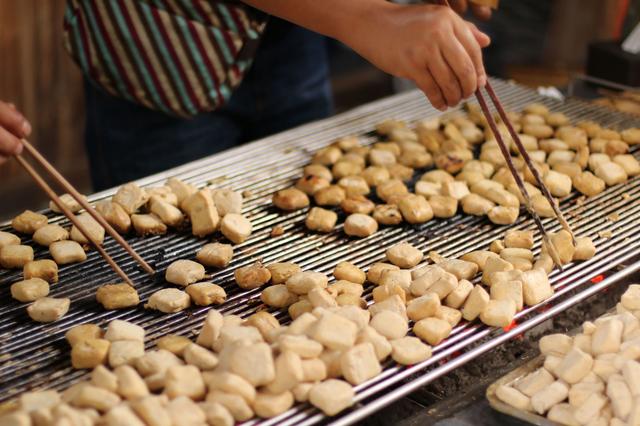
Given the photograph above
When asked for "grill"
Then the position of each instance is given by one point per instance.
(36, 355)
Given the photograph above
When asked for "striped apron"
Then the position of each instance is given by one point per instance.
(181, 57)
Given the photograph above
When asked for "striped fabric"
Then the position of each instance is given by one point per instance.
(181, 57)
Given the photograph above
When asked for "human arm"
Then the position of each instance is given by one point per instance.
(13, 127)
(428, 44)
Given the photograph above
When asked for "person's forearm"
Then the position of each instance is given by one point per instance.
(338, 19)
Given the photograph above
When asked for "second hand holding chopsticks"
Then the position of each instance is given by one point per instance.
(72, 218)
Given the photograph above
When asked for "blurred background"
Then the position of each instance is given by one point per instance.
(535, 42)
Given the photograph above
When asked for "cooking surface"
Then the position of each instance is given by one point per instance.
(36, 355)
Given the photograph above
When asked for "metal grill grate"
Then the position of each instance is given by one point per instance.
(36, 355)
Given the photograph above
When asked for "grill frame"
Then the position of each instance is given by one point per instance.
(258, 166)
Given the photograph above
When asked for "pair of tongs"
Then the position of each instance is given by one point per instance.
(525, 156)
(31, 150)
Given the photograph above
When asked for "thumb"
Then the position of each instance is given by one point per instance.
(482, 39)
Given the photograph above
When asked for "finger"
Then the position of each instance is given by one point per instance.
(9, 143)
(459, 6)
(445, 78)
(466, 37)
(460, 63)
(13, 121)
(481, 12)
(425, 82)
(3, 159)
(482, 39)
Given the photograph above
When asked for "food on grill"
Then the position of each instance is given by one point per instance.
(82, 332)
(585, 249)
(169, 214)
(115, 215)
(227, 201)
(91, 226)
(45, 269)
(176, 344)
(280, 272)
(117, 296)
(69, 202)
(332, 195)
(357, 204)
(202, 213)
(252, 276)
(184, 272)
(409, 350)
(29, 222)
(236, 227)
(131, 197)
(415, 209)
(331, 396)
(360, 225)
(29, 290)
(163, 193)
(15, 256)
(89, 353)
(48, 309)
(349, 272)
(589, 377)
(8, 239)
(49, 234)
(65, 252)
(169, 300)
(181, 189)
(123, 352)
(311, 184)
(215, 254)
(205, 294)
(290, 199)
(483, 186)
(475, 304)
(321, 220)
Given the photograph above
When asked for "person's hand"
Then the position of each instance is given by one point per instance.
(461, 6)
(13, 127)
(428, 44)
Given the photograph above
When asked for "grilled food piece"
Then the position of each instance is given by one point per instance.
(29, 290)
(8, 239)
(169, 300)
(50, 233)
(15, 256)
(117, 296)
(215, 254)
(131, 197)
(29, 222)
(115, 215)
(48, 309)
(91, 226)
(184, 272)
(69, 202)
(65, 252)
(236, 228)
(45, 269)
(205, 294)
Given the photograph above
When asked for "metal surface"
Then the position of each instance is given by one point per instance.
(36, 355)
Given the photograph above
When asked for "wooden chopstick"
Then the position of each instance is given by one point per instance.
(523, 189)
(56, 200)
(78, 197)
(527, 159)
